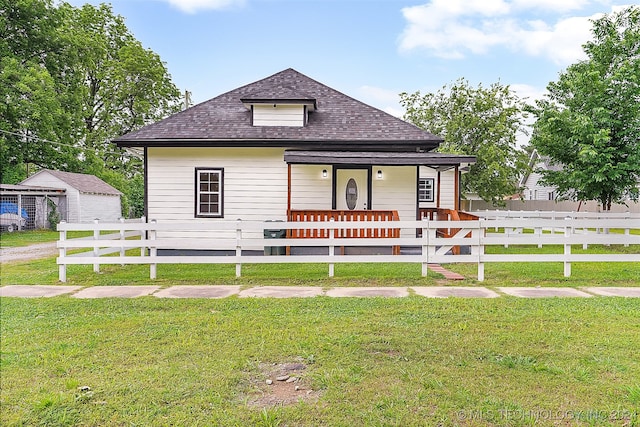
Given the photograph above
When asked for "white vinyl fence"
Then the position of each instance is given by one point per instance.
(239, 241)
(513, 214)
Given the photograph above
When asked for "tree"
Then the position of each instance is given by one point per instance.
(122, 85)
(478, 121)
(71, 80)
(589, 123)
(31, 108)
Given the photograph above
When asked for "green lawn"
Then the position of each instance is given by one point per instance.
(371, 361)
(410, 361)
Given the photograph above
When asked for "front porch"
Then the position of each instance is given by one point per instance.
(349, 216)
(432, 214)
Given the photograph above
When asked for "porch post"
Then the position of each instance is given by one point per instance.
(288, 191)
(456, 191)
(438, 195)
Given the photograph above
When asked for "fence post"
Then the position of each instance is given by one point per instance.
(143, 235)
(96, 253)
(567, 248)
(239, 247)
(62, 268)
(626, 230)
(431, 242)
(332, 248)
(507, 230)
(153, 251)
(122, 238)
(425, 246)
(480, 250)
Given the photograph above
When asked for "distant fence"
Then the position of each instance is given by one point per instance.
(475, 236)
(549, 205)
(524, 214)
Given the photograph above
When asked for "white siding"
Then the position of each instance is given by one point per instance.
(309, 190)
(447, 189)
(255, 183)
(397, 190)
(278, 115)
(103, 207)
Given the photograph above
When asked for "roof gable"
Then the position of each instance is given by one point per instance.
(338, 120)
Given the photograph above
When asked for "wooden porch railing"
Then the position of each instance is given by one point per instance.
(342, 215)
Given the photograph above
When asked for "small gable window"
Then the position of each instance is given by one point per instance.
(209, 192)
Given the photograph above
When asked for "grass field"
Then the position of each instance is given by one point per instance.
(405, 362)
(382, 362)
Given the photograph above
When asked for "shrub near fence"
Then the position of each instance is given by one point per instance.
(475, 236)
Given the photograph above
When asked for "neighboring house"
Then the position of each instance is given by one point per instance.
(530, 182)
(87, 196)
(286, 144)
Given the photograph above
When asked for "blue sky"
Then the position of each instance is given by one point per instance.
(369, 49)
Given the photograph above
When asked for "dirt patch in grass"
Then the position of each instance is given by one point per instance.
(280, 384)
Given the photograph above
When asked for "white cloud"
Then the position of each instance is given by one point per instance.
(455, 28)
(562, 42)
(550, 5)
(193, 6)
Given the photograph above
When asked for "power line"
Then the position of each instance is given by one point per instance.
(38, 138)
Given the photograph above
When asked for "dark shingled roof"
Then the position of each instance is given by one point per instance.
(338, 121)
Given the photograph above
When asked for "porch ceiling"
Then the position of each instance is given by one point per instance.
(375, 158)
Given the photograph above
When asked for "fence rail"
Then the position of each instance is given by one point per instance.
(238, 242)
(506, 214)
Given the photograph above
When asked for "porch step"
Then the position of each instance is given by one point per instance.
(449, 275)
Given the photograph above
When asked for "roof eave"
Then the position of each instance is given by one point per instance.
(285, 143)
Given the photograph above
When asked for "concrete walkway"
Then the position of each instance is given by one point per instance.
(24, 291)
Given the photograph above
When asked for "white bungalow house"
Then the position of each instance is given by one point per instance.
(87, 196)
(532, 188)
(287, 148)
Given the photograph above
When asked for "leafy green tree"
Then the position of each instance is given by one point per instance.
(483, 122)
(590, 121)
(71, 80)
(124, 86)
(32, 110)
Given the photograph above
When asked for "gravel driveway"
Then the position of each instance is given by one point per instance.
(25, 253)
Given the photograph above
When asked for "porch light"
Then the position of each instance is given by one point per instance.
(379, 174)
(324, 173)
